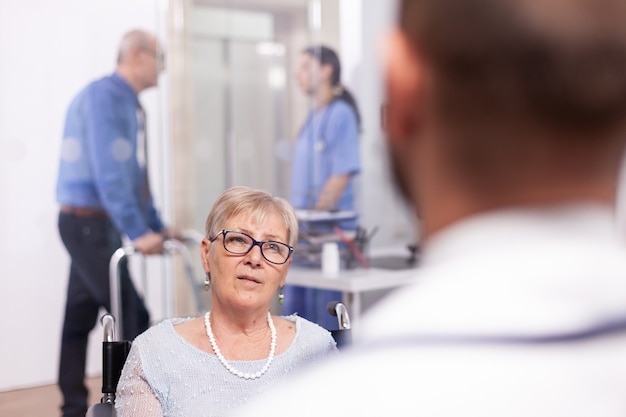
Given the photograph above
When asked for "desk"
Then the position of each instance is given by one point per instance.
(352, 282)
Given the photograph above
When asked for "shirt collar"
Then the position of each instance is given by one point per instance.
(119, 80)
(497, 228)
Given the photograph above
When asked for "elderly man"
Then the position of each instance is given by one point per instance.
(507, 125)
(103, 192)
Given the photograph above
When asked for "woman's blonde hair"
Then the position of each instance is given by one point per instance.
(257, 204)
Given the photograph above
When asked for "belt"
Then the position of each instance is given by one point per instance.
(84, 212)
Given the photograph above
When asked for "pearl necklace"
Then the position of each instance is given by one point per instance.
(228, 366)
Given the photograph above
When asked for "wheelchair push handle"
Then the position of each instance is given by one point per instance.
(108, 325)
(339, 310)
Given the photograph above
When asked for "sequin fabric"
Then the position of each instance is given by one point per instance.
(165, 375)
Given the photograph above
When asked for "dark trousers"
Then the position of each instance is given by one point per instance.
(90, 243)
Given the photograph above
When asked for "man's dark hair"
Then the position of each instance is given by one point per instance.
(505, 68)
(561, 62)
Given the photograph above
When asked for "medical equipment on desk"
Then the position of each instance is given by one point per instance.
(320, 227)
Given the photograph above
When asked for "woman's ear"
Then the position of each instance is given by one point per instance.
(404, 83)
(205, 247)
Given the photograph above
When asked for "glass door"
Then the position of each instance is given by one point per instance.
(238, 74)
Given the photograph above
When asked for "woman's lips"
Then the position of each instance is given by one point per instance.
(249, 278)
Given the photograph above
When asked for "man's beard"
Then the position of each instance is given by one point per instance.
(399, 178)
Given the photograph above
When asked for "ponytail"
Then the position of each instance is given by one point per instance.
(347, 96)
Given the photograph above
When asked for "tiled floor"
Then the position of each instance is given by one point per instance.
(41, 401)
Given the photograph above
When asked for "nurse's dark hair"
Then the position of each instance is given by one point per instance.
(326, 56)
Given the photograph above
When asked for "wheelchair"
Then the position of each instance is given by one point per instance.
(114, 354)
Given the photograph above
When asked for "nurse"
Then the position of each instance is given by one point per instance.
(325, 163)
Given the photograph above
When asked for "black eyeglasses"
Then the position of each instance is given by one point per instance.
(239, 243)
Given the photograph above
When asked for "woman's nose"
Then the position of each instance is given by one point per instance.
(254, 255)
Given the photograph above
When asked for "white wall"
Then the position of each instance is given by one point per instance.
(48, 51)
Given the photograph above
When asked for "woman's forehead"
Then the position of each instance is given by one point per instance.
(259, 222)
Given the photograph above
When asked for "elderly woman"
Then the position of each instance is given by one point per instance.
(207, 366)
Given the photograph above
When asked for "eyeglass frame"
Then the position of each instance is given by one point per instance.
(255, 242)
(157, 54)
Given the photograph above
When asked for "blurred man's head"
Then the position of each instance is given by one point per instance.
(140, 59)
(495, 103)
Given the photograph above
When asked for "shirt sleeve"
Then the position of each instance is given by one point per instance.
(135, 396)
(154, 221)
(111, 133)
(342, 140)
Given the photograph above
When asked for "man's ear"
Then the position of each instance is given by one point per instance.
(404, 81)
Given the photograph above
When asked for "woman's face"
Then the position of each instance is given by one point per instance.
(308, 74)
(249, 280)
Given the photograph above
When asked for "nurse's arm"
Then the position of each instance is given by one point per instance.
(332, 191)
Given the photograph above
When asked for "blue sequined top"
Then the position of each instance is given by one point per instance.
(165, 375)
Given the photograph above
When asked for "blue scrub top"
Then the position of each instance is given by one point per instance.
(328, 145)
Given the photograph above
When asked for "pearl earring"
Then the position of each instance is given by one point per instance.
(207, 282)
(281, 297)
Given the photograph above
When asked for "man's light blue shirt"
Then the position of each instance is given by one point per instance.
(99, 167)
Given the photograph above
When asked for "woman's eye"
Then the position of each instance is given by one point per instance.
(274, 247)
(239, 240)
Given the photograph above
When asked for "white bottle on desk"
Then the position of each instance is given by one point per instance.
(330, 260)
